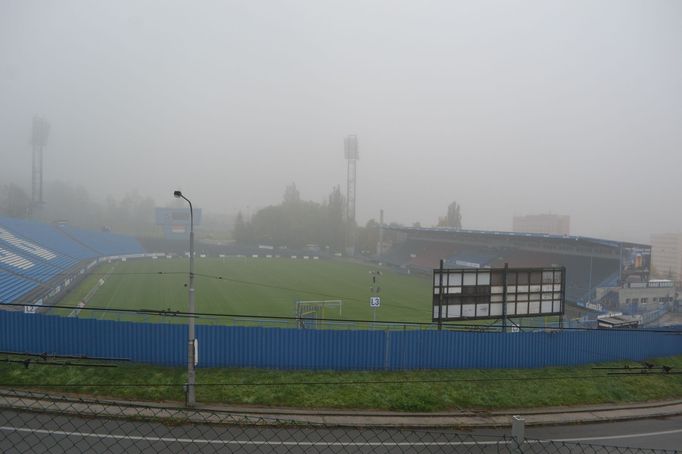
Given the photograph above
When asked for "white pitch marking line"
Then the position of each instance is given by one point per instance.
(247, 442)
(619, 437)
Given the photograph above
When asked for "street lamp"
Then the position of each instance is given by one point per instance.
(191, 345)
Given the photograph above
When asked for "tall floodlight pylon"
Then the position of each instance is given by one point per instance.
(39, 133)
(352, 156)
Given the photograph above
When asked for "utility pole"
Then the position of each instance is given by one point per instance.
(375, 289)
(380, 245)
(504, 297)
(191, 343)
(440, 294)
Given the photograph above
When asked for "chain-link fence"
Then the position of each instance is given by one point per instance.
(41, 423)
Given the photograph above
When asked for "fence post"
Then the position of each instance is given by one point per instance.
(387, 350)
(518, 431)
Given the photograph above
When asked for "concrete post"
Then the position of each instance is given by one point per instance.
(518, 429)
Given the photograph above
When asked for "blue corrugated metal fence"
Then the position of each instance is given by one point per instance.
(281, 348)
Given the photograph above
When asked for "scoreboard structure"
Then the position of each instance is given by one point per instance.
(497, 293)
(175, 222)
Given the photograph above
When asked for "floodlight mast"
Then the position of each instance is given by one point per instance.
(190, 397)
(39, 134)
(352, 156)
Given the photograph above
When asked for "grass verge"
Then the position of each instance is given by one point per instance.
(418, 391)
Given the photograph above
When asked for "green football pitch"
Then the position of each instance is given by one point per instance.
(257, 287)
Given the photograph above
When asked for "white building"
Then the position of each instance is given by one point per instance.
(645, 296)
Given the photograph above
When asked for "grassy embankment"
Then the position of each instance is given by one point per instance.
(401, 391)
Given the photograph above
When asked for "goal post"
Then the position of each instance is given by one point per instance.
(310, 313)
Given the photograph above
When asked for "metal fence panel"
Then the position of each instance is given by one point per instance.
(434, 349)
(290, 348)
(286, 348)
(163, 344)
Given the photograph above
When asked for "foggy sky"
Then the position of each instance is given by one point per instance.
(570, 107)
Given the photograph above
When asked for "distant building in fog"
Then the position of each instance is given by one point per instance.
(666, 255)
(542, 223)
(637, 297)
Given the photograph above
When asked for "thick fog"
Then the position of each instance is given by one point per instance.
(571, 107)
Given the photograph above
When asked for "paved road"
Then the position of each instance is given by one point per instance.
(39, 433)
(33, 432)
(656, 433)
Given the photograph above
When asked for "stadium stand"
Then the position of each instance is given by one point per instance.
(102, 243)
(175, 247)
(589, 262)
(12, 287)
(47, 234)
(36, 257)
(426, 255)
(475, 259)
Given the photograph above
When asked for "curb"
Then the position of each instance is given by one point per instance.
(534, 417)
(81, 406)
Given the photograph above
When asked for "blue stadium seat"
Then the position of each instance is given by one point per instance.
(103, 243)
(47, 235)
(34, 254)
(13, 287)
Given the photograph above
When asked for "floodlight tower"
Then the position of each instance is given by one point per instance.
(39, 134)
(352, 156)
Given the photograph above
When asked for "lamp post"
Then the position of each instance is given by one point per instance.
(191, 379)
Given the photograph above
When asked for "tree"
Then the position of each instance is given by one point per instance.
(14, 201)
(241, 232)
(368, 237)
(296, 223)
(453, 218)
(65, 201)
(335, 225)
(291, 194)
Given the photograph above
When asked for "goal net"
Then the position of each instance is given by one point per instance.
(311, 314)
